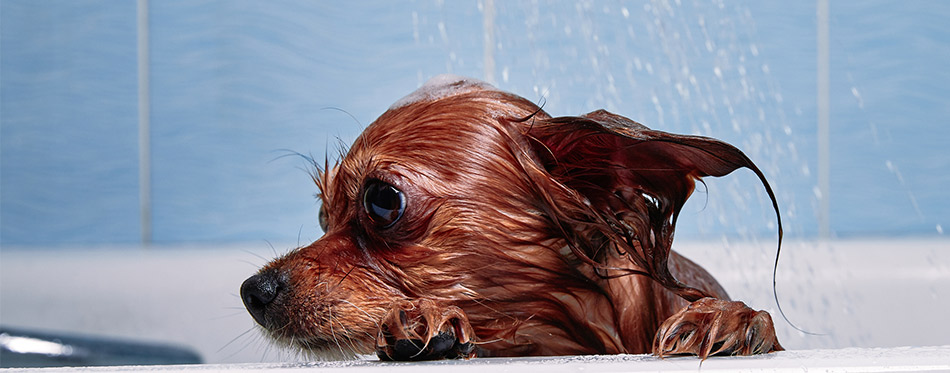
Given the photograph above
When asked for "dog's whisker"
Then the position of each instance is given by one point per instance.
(248, 262)
(245, 334)
(262, 258)
(336, 339)
(348, 340)
(368, 315)
(272, 248)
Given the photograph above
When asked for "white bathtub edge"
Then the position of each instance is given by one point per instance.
(895, 359)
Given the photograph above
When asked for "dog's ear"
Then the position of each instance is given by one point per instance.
(634, 181)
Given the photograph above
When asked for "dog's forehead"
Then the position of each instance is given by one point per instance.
(449, 117)
(442, 86)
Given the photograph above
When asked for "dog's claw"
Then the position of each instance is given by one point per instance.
(422, 330)
(710, 327)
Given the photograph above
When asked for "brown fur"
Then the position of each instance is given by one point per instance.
(551, 236)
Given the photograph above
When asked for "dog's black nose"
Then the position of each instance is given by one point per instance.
(258, 292)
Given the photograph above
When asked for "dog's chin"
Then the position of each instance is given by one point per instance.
(329, 348)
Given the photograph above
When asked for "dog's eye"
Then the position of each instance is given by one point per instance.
(383, 203)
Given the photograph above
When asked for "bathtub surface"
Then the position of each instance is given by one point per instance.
(870, 293)
(910, 359)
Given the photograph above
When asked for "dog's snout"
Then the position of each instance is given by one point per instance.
(258, 292)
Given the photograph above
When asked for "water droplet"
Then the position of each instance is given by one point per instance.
(857, 95)
(939, 229)
(415, 27)
(625, 12)
(443, 33)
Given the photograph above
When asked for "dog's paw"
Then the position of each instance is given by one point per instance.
(710, 327)
(422, 330)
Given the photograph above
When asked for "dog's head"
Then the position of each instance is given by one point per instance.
(477, 198)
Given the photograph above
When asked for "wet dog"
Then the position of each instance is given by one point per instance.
(466, 221)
